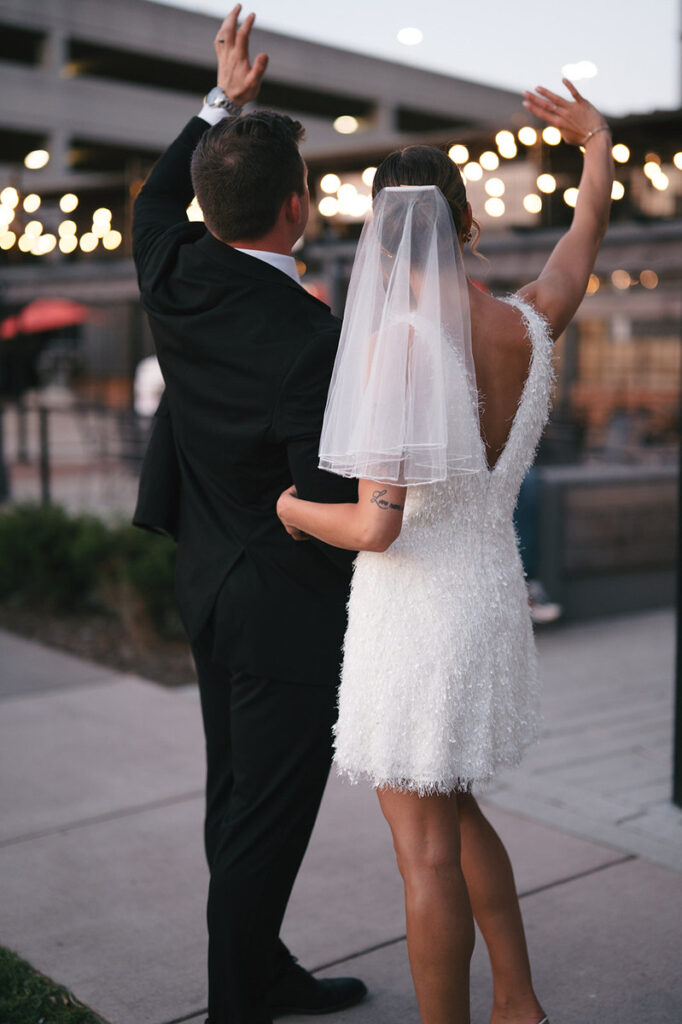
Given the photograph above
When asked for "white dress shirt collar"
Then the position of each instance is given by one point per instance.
(287, 264)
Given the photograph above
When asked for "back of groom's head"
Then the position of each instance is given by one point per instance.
(244, 169)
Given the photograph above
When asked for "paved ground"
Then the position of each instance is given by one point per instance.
(102, 872)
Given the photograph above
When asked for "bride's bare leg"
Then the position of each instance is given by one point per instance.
(440, 929)
(492, 891)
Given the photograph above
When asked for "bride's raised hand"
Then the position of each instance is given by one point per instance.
(575, 118)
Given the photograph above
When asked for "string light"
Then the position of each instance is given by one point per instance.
(473, 171)
(9, 197)
(25, 243)
(31, 203)
(621, 280)
(546, 183)
(649, 279)
(7, 215)
(506, 144)
(494, 187)
(67, 243)
(88, 242)
(44, 244)
(652, 168)
(677, 160)
(489, 160)
(458, 153)
(617, 190)
(494, 207)
(593, 284)
(33, 229)
(7, 239)
(571, 196)
(346, 124)
(112, 239)
(620, 153)
(67, 228)
(68, 202)
(330, 183)
(551, 135)
(527, 135)
(36, 159)
(532, 203)
(329, 206)
(368, 176)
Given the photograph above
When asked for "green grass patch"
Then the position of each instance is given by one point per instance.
(28, 997)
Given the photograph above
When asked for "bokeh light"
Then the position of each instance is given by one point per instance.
(112, 239)
(346, 124)
(621, 280)
(494, 207)
(329, 206)
(661, 181)
(36, 159)
(677, 160)
(546, 183)
(649, 279)
(473, 171)
(527, 135)
(7, 239)
(9, 197)
(330, 182)
(617, 190)
(458, 153)
(66, 228)
(410, 36)
(88, 242)
(33, 229)
(532, 203)
(31, 203)
(44, 244)
(571, 196)
(368, 176)
(489, 161)
(551, 135)
(494, 187)
(506, 144)
(593, 284)
(67, 243)
(620, 153)
(68, 202)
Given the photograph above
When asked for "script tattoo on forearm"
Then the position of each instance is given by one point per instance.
(379, 500)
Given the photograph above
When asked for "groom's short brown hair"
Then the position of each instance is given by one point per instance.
(243, 169)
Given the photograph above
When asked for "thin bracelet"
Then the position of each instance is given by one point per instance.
(601, 128)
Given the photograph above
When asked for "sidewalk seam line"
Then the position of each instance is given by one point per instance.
(98, 819)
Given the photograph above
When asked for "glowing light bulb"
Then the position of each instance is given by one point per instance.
(651, 169)
(44, 244)
(25, 243)
(66, 228)
(494, 207)
(621, 280)
(7, 239)
(88, 241)
(677, 160)
(527, 135)
(7, 215)
(67, 243)
(532, 203)
(68, 202)
(617, 190)
(571, 196)
(31, 203)
(103, 215)
(33, 229)
(329, 206)
(330, 182)
(346, 124)
(593, 284)
(661, 181)
(620, 153)
(473, 171)
(489, 161)
(546, 183)
(494, 187)
(36, 159)
(9, 197)
(551, 135)
(458, 153)
(649, 279)
(506, 144)
(368, 176)
(112, 239)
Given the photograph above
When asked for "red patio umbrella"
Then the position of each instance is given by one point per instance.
(46, 315)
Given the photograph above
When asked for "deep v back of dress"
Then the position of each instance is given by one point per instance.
(439, 682)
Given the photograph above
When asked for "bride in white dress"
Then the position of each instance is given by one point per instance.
(437, 403)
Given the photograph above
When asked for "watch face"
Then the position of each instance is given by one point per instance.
(216, 97)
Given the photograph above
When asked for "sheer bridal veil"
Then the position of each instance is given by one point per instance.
(402, 405)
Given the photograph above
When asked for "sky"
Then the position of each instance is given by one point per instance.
(517, 44)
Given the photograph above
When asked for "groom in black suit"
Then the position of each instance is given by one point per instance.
(246, 355)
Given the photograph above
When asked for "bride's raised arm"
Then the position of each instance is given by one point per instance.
(370, 525)
(560, 288)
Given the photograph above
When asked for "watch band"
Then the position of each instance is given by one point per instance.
(217, 98)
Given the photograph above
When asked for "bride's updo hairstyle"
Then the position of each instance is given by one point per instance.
(425, 165)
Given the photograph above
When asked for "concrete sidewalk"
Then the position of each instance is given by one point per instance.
(103, 879)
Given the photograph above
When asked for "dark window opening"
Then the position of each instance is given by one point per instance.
(21, 45)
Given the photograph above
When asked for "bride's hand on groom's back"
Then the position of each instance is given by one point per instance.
(283, 510)
(239, 79)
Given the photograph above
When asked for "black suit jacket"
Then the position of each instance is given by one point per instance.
(247, 355)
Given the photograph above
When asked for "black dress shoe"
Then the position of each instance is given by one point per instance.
(297, 991)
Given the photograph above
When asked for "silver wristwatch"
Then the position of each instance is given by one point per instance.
(217, 98)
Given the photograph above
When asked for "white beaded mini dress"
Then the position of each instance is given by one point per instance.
(439, 686)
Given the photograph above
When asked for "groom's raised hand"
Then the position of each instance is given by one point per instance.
(239, 79)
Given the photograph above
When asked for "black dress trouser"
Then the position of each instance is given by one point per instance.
(268, 748)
